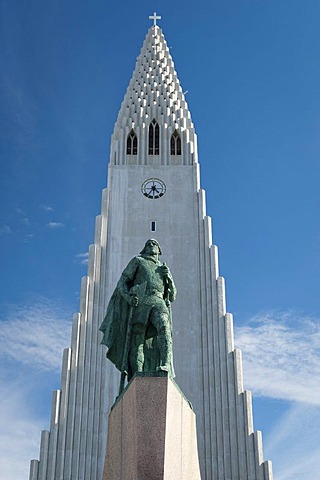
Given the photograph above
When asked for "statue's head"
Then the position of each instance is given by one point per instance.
(150, 246)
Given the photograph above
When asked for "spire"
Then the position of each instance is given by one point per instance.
(154, 92)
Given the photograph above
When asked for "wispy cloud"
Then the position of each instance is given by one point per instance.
(32, 338)
(281, 359)
(82, 258)
(5, 230)
(35, 334)
(46, 207)
(19, 429)
(55, 225)
(20, 212)
(25, 221)
(294, 444)
(281, 356)
(29, 236)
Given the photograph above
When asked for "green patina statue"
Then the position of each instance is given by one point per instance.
(137, 328)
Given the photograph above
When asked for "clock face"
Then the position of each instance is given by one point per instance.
(153, 188)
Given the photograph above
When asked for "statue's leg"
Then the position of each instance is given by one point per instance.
(136, 354)
(161, 322)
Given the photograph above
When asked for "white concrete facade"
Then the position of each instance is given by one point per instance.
(208, 368)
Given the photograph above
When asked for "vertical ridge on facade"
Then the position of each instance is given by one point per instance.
(44, 453)
(71, 406)
(89, 345)
(61, 441)
(34, 468)
(204, 442)
(54, 429)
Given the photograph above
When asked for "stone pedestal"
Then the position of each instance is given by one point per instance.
(152, 433)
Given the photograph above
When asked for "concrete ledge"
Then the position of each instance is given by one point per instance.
(152, 433)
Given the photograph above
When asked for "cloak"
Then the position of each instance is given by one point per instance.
(114, 328)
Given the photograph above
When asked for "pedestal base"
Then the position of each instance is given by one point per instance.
(152, 433)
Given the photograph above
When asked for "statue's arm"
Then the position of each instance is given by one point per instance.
(171, 288)
(125, 282)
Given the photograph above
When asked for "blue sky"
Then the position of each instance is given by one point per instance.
(252, 71)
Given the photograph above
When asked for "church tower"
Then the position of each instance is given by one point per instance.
(154, 191)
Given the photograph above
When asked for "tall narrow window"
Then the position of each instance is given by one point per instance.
(132, 143)
(154, 138)
(175, 143)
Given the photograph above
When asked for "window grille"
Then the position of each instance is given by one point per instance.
(154, 138)
(175, 143)
(132, 143)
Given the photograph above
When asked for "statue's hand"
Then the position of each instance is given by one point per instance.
(165, 270)
(134, 300)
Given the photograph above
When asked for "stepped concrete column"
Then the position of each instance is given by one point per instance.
(152, 432)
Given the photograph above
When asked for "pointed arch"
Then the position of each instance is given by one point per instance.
(175, 143)
(132, 143)
(154, 138)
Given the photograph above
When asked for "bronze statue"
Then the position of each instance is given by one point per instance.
(137, 328)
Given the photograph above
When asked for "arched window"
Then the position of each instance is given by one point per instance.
(175, 144)
(154, 138)
(132, 143)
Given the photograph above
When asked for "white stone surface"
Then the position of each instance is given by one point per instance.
(209, 370)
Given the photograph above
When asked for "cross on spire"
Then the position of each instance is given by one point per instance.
(154, 17)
